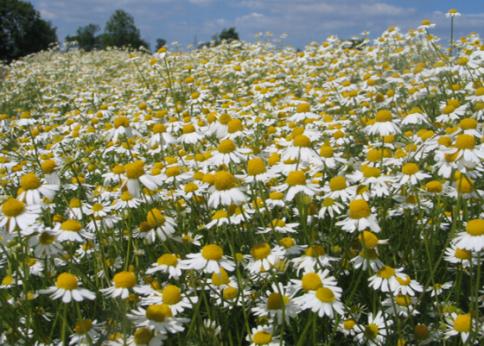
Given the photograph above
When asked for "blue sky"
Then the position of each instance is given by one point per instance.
(303, 20)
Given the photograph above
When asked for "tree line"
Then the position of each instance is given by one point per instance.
(23, 32)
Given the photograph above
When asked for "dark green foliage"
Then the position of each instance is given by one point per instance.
(22, 30)
(121, 31)
(86, 37)
(229, 35)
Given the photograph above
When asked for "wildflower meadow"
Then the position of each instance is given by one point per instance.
(245, 194)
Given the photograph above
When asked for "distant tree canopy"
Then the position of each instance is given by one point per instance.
(120, 31)
(22, 30)
(86, 37)
(229, 34)
(160, 42)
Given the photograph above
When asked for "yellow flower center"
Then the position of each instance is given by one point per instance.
(301, 141)
(97, 207)
(402, 300)
(475, 227)
(311, 282)
(124, 279)
(71, 226)
(328, 202)
(230, 293)
(276, 195)
(468, 124)
(349, 324)
(369, 239)
(12, 207)
(48, 166)
(421, 331)
(155, 218)
(315, 251)
(260, 251)
(7, 280)
(410, 168)
(121, 121)
(235, 125)
(74, 203)
(296, 178)
(190, 187)
(134, 170)
(126, 196)
(337, 183)
(143, 336)
(83, 326)
(158, 312)
(168, 259)
(256, 166)
(221, 278)
(383, 115)
(262, 338)
(276, 301)
(359, 209)
(326, 151)
(404, 280)
(464, 141)
(226, 146)
(224, 180)
(462, 323)
(188, 128)
(434, 186)
(462, 254)
(370, 172)
(171, 294)
(212, 252)
(287, 242)
(66, 281)
(46, 238)
(303, 108)
(173, 171)
(325, 295)
(30, 181)
(371, 331)
(386, 272)
(159, 128)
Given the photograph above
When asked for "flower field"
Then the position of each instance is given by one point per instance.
(244, 195)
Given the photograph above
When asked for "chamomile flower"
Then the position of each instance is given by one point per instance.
(225, 191)
(210, 259)
(359, 217)
(314, 258)
(15, 213)
(383, 124)
(135, 173)
(158, 317)
(71, 230)
(263, 257)
(473, 238)
(295, 184)
(263, 336)
(385, 279)
(33, 190)
(167, 263)
(459, 325)
(278, 304)
(375, 331)
(122, 283)
(67, 287)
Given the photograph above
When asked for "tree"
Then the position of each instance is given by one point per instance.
(86, 37)
(160, 42)
(22, 30)
(229, 35)
(121, 31)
